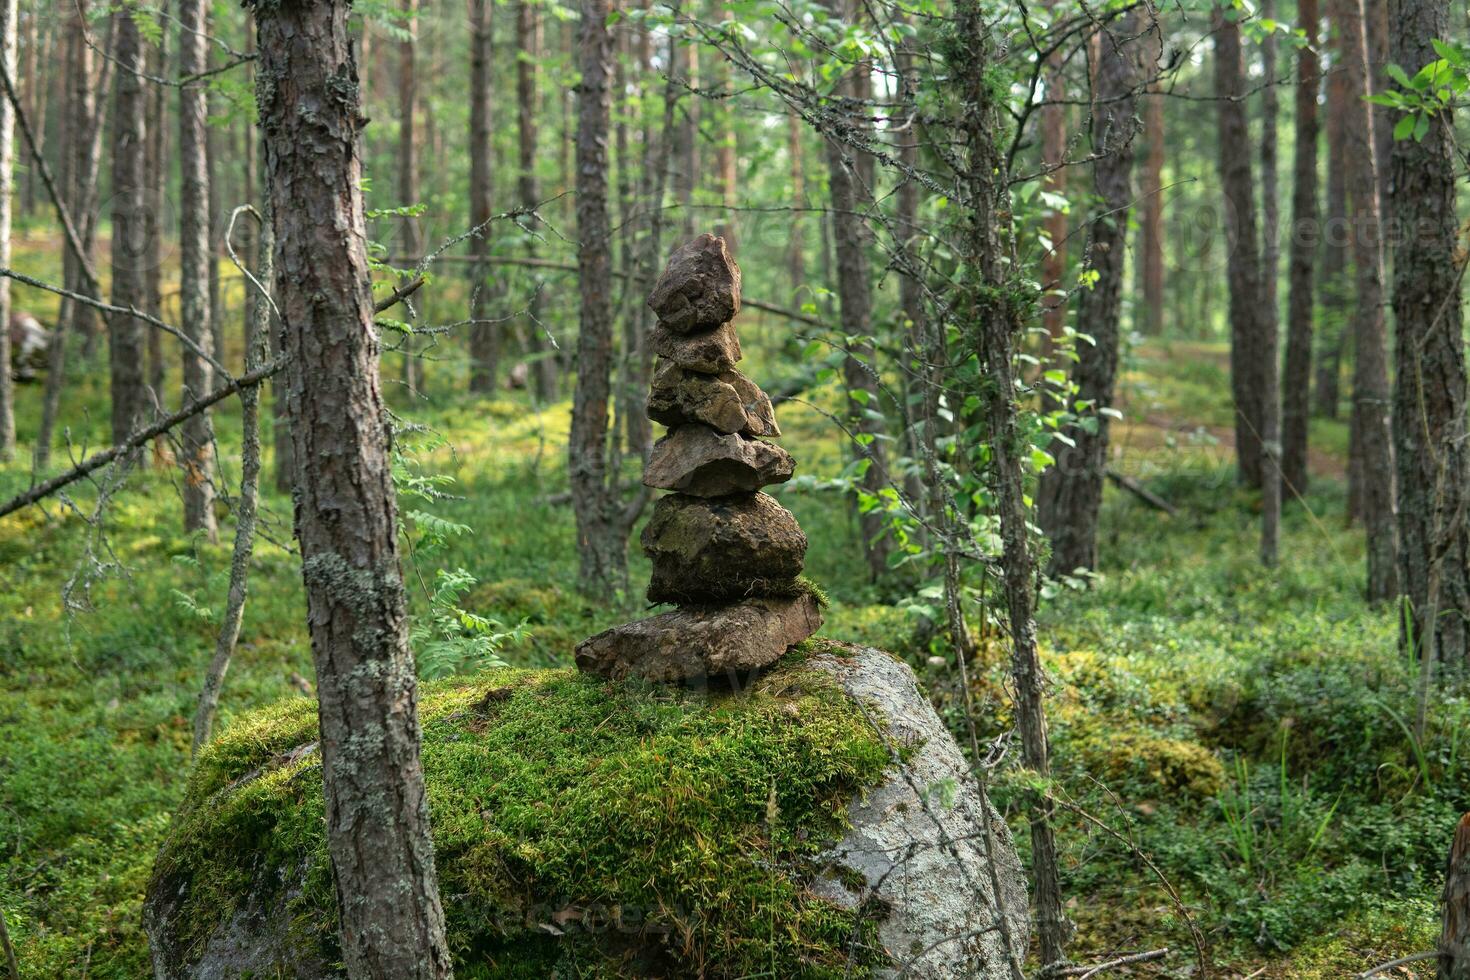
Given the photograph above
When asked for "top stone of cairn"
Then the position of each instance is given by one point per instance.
(699, 288)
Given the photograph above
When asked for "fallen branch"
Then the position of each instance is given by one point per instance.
(1142, 493)
(1417, 957)
(98, 460)
(1084, 972)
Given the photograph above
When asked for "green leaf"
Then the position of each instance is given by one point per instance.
(1421, 128)
(1403, 128)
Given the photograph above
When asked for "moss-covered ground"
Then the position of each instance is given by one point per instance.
(1240, 728)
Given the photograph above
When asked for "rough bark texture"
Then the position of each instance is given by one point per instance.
(854, 293)
(600, 541)
(1247, 320)
(1152, 204)
(1053, 153)
(1071, 491)
(1454, 936)
(196, 454)
(130, 401)
(1336, 290)
(408, 162)
(484, 336)
(153, 233)
(392, 924)
(8, 24)
(1270, 392)
(1429, 392)
(1296, 382)
(528, 42)
(986, 307)
(1374, 442)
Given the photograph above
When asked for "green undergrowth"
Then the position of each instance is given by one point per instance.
(579, 827)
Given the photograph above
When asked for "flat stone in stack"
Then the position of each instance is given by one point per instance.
(728, 555)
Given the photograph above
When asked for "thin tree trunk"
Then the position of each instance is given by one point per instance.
(687, 146)
(636, 364)
(1247, 320)
(1071, 490)
(408, 165)
(9, 15)
(157, 176)
(1429, 399)
(484, 336)
(1271, 307)
(1053, 156)
(1152, 205)
(1296, 382)
(986, 265)
(1337, 233)
(850, 234)
(197, 435)
(127, 340)
(726, 148)
(603, 550)
(38, 44)
(1370, 364)
(528, 99)
(796, 261)
(392, 922)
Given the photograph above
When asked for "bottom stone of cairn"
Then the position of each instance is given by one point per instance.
(699, 645)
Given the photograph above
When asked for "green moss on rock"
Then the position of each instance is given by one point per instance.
(600, 829)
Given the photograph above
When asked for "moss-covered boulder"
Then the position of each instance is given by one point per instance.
(819, 823)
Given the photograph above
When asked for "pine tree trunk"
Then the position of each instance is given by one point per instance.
(127, 340)
(726, 147)
(157, 176)
(854, 292)
(1337, 232)
(796, 261)
(1297, 379)
(1370, 363)
(528, 99)
(986, 264)
(197, 434)
(1247, 322)
(1429, 399)
(1071, 491)
(484, 336)
(408, 166)
(601, 546)
(1152, 205)
(1053, 156)
(9, 17)
(1270, 306)
(392, 923)
(686, 150)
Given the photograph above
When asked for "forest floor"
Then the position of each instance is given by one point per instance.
(1235, 732)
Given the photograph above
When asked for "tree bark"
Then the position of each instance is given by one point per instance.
(9, 15)
(1152, 205)
(1271, 308)
(985, 306)
(408, 164)
(1296, 382)
(1454, 936)
(528, 42)
(1429, 398)
(796, 261)
(726, 146)
(127, 339)
(1371, 393)
(157, 177)
(1053, 156)
(1071, 490)
(1336, 298)
(484, 336)
(600, 543)
(197, 435)
(1247, 320)
(686, 149)
(854, 291)
(392, 923)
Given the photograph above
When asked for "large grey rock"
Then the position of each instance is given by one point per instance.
(699, 288)
(924, 846)
(720, 550)
(726, 402)
(699, 461)
(29, 344)
(914, 855)
(709, 351)
(700, 645)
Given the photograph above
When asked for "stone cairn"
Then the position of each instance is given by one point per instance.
(727, 555)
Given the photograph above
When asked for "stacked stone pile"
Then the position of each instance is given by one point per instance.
(727, 555)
